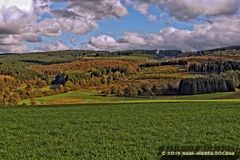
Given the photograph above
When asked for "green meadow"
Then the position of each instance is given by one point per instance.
(115, 131)
(93, 97)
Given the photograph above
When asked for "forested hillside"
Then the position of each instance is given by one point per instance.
(136, 73)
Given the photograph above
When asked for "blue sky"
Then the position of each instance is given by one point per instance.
(118, 24)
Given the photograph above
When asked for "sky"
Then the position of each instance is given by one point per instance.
(187, 25)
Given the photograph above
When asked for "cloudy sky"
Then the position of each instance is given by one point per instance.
(43, 25)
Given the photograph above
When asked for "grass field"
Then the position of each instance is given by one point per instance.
(91, 97)
(115, 131)
(74, 97)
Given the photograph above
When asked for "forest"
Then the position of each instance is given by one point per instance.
(133, 73)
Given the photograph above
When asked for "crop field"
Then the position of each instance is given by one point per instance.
(115, 131)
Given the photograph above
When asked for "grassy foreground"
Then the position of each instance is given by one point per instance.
(115, 131)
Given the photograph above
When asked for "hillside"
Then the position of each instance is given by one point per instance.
(129, 74)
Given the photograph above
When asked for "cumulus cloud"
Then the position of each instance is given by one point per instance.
(103, 42)
(185, 10)
(8, 40)
(13, 20)
(203, 36)
(26, 20)
(80, 17)
(133, 38)
(19, 48)
(130, 40)
(49, 27)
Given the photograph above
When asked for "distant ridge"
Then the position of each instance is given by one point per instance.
(153, 51)
(233, 47)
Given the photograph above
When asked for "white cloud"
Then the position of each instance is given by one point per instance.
(13, 20)
(133, 38)
(185, 10)
(77, 25)
(9, 40)
(23, 19)
(103, 42)
(80, 17)
(49, 27)
(24, 5)
(19, 48)
(203, 36)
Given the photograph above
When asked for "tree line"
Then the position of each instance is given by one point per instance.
(204, 85)
(225, 82)
(213, 67)
(165, 63)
